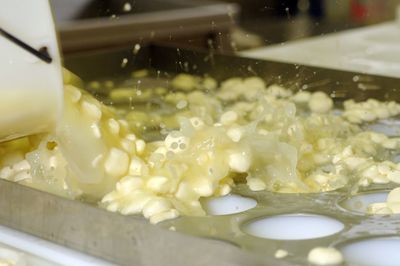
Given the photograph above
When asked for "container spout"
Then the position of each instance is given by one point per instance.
(31, 82)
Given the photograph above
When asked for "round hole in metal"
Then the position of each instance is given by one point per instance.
(377, 251)
(297, 226)
(359, 203)
(389, 127)
(228, 204)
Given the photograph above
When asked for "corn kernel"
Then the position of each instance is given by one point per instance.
(394, 195)
(137, 166)
(91, 110)
(96, 131)
(158, 184)
(156, 206)
(239, 162)
(255, 184)
(6, 172)
(140, 146)
(325, 256)
(128, 146)
(117, 162)
(320, 102)
(97, 160)
(128, 184)
(113, 126)
(21, 176)
(203, 187)
(281, 253)
(135, 203)
(74, 93)
(171, 214)
(131, 137)
(228, 118)
(21, 166)
(113, 207)
(235, 134)
(394, 207)
(394, 176)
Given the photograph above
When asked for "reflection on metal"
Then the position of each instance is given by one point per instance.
(120, 239)
(87, 24)
(366, 87)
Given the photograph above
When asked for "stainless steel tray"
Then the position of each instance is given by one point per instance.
(89, 24)
(212, 240)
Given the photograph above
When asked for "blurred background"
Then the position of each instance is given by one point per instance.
(285, 20)
(226, 25)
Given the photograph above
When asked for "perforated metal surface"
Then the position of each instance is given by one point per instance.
(357, 225)
(219, 239)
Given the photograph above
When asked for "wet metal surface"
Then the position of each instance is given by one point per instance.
(208, 240)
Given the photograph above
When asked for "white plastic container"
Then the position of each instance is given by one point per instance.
(31, 90)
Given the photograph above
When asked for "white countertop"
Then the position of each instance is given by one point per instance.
(372, 49)
(34, 251)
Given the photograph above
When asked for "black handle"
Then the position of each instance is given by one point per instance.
(42, 53)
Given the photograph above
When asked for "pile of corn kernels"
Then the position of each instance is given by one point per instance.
(212, 137)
